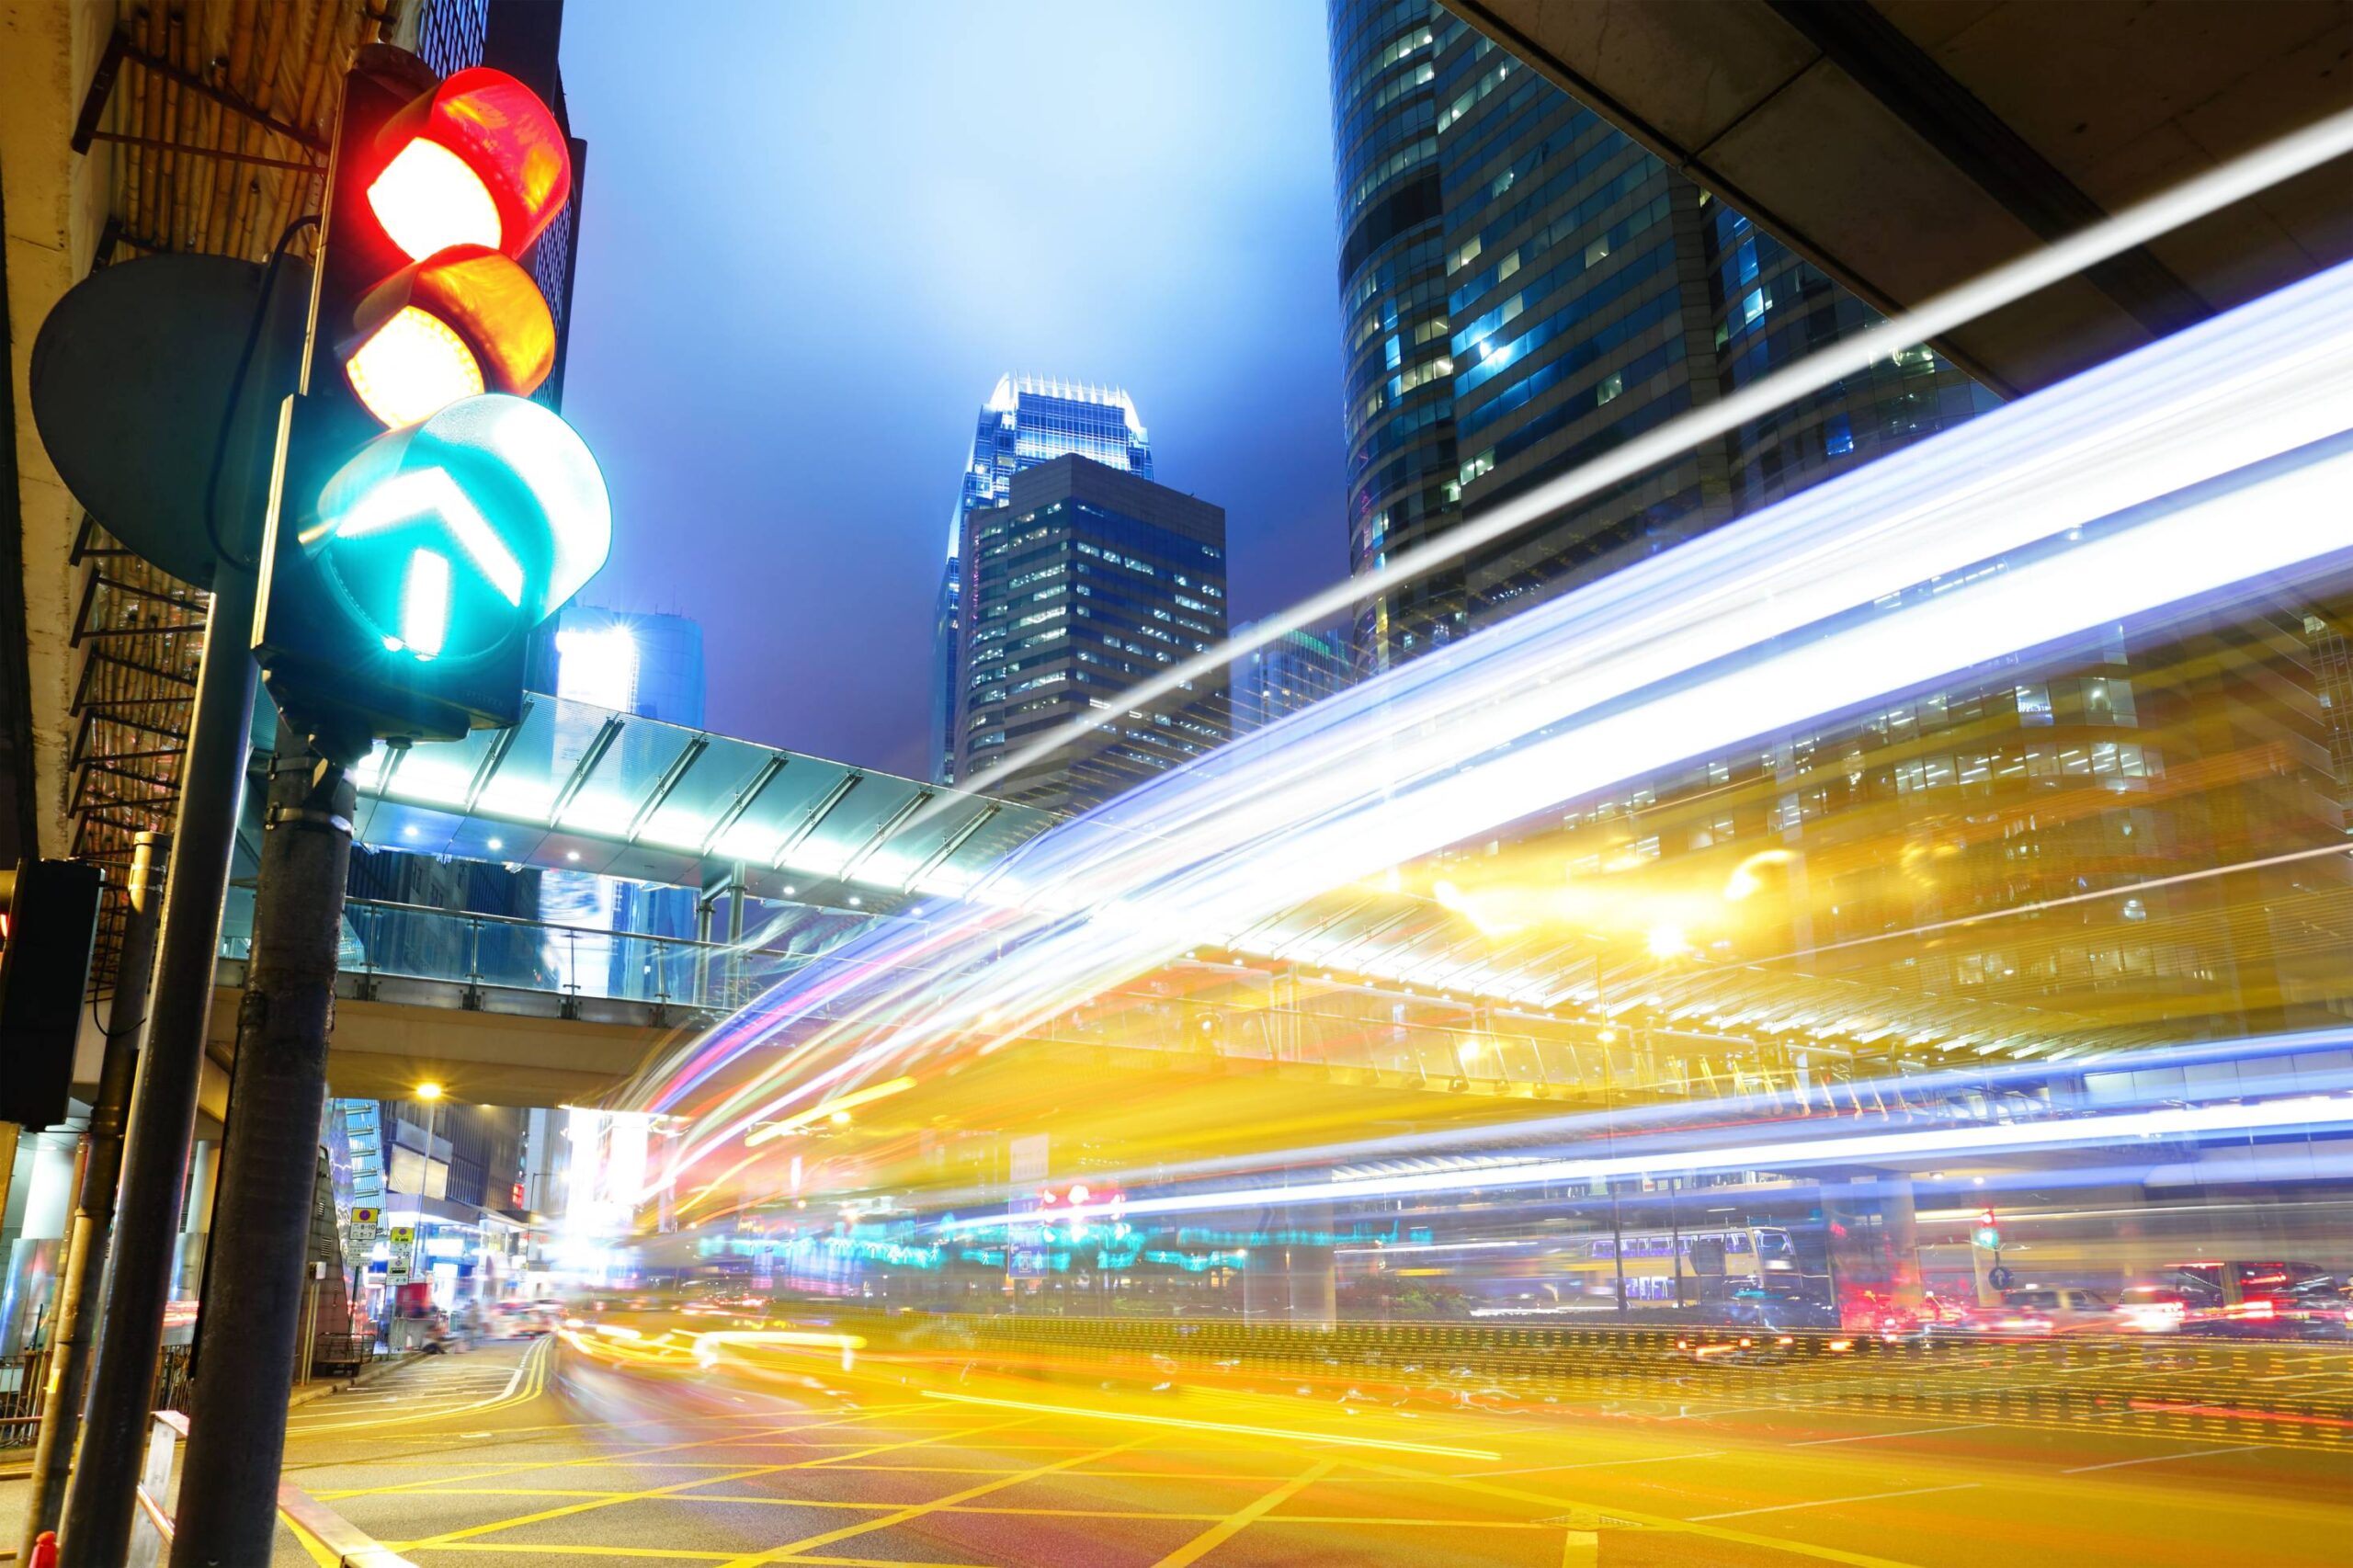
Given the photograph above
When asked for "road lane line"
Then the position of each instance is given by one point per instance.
(1178, 1423)
(1832, 1502)
(1234, 1524)
(2164, 1459)
(797, 1550)
(1654, 1521)
(1876, 1437)
(743, 1472)
(517, 1468)
(1588, 1464)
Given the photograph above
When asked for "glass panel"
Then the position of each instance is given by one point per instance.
(523, 787)
(853, 819)
(624, 778)
(710, 787)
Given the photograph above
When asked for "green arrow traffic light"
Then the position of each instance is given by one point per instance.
(441, 538)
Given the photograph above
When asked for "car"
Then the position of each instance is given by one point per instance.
(2161, 1309)
(527, 1320)
(2045, 1310)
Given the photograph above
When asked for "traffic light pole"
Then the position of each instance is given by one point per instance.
(86, 1253)
(98, 1502)
(228, 1511)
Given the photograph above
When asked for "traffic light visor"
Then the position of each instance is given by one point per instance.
(477, 161)
(466, 321)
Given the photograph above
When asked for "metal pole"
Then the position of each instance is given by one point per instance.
(86, 1253)
(99, 1502)
(228, 1507)
(1675, 1243)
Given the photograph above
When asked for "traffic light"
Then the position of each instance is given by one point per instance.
(51, 923)
(427, 515)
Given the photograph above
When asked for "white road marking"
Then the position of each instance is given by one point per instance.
(1876, 1437)
(1832, 1502)
(1589, 1464)
(2162, 1458)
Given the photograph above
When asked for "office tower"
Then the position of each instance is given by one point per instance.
(648, 664)
(1296, 670)
(1088, 581)
(1522, 288)
(1026, 421)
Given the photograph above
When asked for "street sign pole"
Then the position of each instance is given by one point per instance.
(100, 1501)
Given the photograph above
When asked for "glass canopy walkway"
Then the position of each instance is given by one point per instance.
(579, 788)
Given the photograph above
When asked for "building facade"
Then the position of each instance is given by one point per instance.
(1296, 670)
(1522, 288)
(1088, 581)
(1026, 420)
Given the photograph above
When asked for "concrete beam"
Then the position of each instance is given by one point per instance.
(54, 205)
(1905, 146)
(382, 1049)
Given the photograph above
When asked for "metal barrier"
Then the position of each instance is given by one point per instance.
(2139, 1382)
(24, 1388)
(150, 1526)
(22, 1378)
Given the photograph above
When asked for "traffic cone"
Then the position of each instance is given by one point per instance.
(44, 1550)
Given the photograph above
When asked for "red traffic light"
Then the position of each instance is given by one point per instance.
(466, 321)
(477, 161)
(1985, 1216)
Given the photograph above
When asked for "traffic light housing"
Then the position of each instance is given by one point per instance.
(51, 924)
(426, 515)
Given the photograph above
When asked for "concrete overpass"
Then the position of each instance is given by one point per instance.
(1905, 146)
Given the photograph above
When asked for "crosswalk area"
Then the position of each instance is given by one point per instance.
(499, 1374)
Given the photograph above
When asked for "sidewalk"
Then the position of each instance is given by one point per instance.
(15, 1464)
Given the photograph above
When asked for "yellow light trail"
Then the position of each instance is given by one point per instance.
(1284, 1433)
(840, 1105)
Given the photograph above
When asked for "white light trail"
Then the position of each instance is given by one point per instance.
(2095, 502)
(2315, 1113)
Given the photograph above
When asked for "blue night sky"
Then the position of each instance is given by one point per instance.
(814, 235)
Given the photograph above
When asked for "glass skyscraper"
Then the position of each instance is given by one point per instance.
(1522, 288)
(1296, 670)
(1028, 420)
(1086, 582)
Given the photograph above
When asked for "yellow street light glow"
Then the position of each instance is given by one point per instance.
(1286, 1433)
(836, 1110)
(1666, 941)
(412, 367)
(429, 1091)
